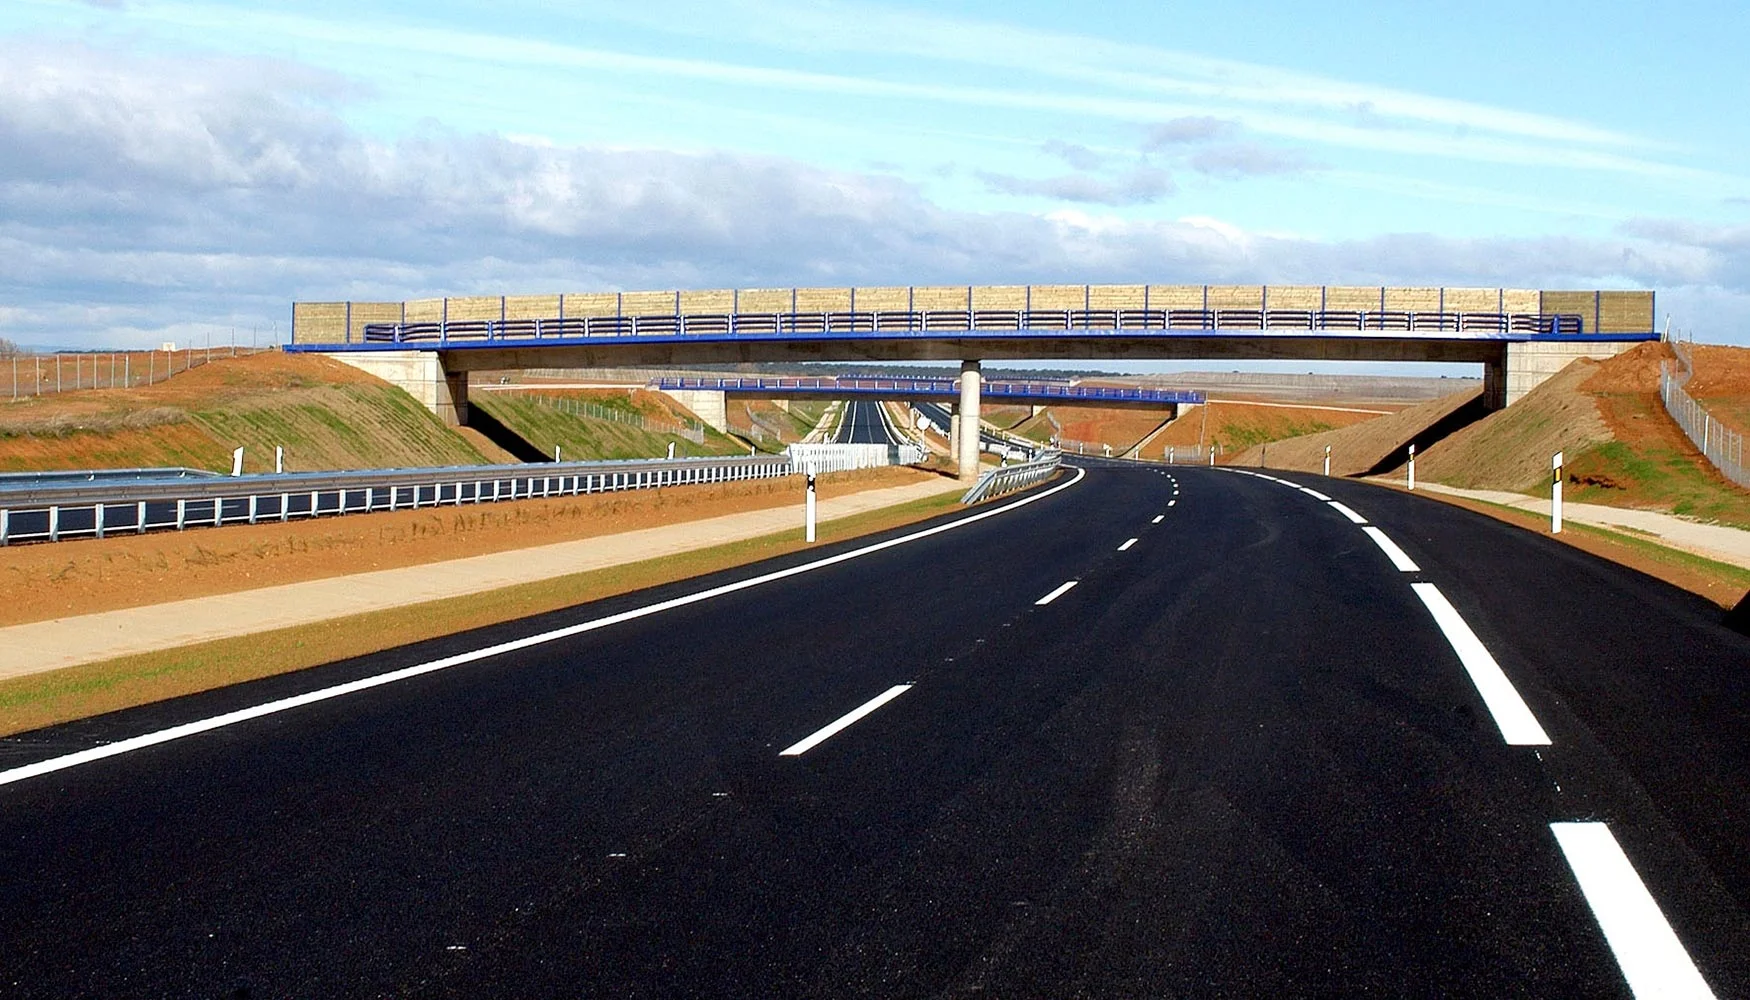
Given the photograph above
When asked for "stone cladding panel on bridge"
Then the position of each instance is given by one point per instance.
(1599, 311)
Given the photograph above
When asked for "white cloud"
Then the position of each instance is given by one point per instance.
(1140, 186)
(142, 199)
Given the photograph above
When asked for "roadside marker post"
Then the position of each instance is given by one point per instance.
(1412, 473)
(1555, 495)
(1327, 461)
(809, 506)
(237, 462)
(279, 459)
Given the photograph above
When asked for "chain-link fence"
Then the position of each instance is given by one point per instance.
(1722, 445)
(584, 408)
(25, 375)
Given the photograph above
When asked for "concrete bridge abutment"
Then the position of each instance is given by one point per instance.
(710, 405)
(1523, 366)
(422, 375)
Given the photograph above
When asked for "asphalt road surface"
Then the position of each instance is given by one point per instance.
(1170, 734)
(862, 424)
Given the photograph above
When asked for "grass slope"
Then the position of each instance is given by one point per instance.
(586, 437)
(325, 414)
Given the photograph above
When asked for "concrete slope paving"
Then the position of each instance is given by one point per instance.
(1162, 732)
(65, 642)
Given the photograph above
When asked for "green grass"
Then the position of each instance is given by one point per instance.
(1614, 473)
(1241, 438)
(586, 437)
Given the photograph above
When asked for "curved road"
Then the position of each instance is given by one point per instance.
(1247, 753)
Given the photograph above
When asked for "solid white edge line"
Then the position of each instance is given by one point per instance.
(1126, 546)
(842, 722)
(1315, 494)
(1403, 562)
(1518, 726)
(1292, 486)
(1159, 517)
(1055, 594)
(1653, 961)
(1348, 512)
(145, 740)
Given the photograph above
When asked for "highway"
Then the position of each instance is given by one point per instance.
(863, 424)
(1142, 732)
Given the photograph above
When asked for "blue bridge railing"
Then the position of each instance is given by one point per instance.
(884, 324)
(938, 388)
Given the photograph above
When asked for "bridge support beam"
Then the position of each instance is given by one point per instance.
(968, 443)
(422, 375)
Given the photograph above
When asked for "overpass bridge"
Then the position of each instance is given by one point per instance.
(1520, 336)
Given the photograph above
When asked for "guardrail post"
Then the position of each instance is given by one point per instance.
(285, 506)
(181, 515)
(97, 518)
(54, 524)
(254, 506)
(5, 527)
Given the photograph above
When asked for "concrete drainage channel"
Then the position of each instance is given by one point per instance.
(57, 511)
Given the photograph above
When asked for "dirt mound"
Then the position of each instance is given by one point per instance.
(1234, 425)
(1620, 446)
(1719, 372)
(1120, 427)
(1635, 370)
(1364, 447)
(1510, 449)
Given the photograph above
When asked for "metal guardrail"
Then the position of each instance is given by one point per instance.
(1009, 478)
(941, 387)
(1722, 446)
(36, 480)
(97, 509)
(463, 333)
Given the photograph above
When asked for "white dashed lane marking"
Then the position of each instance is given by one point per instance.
(1518, 726)
(1390, 548)
(1653, 961)
(844, 721)
(1055, 594)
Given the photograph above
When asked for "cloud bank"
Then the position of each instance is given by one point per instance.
(143, 199)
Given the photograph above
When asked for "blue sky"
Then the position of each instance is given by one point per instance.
(172, 168)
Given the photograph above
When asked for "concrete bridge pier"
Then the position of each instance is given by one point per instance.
(710, 405)
(967, 449)
(422, 374)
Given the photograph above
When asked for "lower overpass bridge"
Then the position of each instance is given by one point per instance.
(1519, 336)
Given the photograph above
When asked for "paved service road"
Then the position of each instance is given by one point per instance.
(1157, 733)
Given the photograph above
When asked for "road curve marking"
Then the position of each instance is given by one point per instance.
(1348, 512)
(1653, 961)
(1315, 494)
(152, 739)
(1518, 726)
(1403, 562)
(1055, 594)
(1126, 546)
(844, 721)
(1159, 517)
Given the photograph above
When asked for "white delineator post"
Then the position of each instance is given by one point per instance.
(237, 462)
(969, 393)
(1412, 473)
(809, 508)
(1555, 495)
(671, 449)
(279, 458)
(1327, 461)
